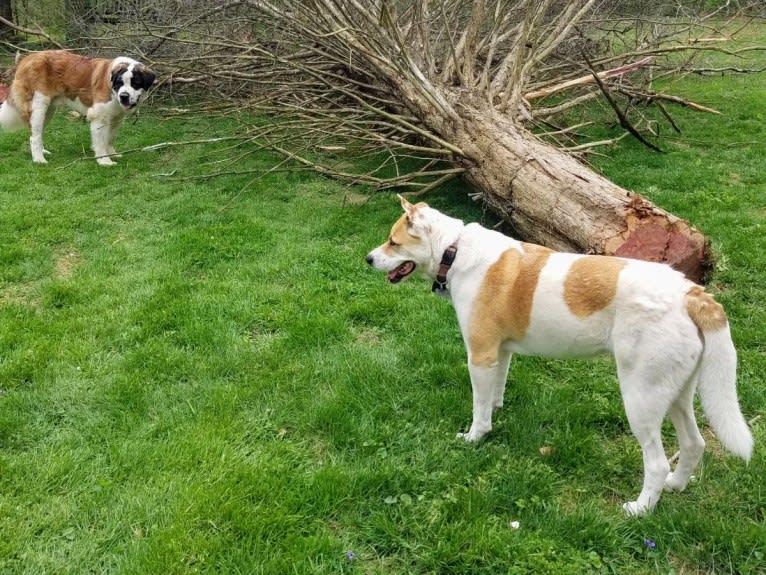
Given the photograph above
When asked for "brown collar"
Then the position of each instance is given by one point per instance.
(440, 284)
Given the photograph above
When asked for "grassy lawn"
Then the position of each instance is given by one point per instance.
(195, 379)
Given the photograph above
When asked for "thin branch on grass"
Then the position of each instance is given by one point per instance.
(589, 145)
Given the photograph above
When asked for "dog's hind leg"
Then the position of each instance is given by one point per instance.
(656, 374)
(646, 405)
(37, 120)
(690, 442)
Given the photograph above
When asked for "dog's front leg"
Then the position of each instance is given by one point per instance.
(482, 384)
(503, 363)
(37, 120)
(112, 133)
(99, 133)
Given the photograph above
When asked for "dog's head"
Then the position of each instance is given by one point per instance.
(409, 244)
(130, 79)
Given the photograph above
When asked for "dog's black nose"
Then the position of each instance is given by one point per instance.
(369, 259)
(124, 99)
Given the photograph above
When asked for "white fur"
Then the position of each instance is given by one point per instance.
(660, 353)
(10, 119)
(37, 121)
(104, 120)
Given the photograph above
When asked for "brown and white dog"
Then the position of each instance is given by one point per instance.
(102, 90)
(668, 337)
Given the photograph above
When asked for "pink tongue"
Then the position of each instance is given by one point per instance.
(402, 271)
(393, 275)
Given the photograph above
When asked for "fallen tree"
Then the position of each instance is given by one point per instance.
(453, 83)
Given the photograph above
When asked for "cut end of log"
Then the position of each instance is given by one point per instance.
(654, 235)
(3, 93)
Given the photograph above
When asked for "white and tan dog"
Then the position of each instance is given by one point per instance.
(102, 90)
(668, 337)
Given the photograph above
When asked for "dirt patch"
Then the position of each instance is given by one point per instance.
(66, 262)
(19, 294)
(366, 336)
(355, 199)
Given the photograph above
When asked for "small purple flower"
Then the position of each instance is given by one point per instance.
(350, 555)
(650, 544)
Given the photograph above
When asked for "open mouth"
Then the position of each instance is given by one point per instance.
(398, 274)
(127, 106)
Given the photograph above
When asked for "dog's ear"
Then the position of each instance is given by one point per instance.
(409, 208)
(416, 220)
(147, 78)
(406, 206)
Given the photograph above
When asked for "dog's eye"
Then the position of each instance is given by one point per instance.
(392, 243)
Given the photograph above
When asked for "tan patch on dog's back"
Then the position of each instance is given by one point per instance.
(705, 312)
(503, 306)
(591, 284)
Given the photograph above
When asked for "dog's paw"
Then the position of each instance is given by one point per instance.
(634, 509)
(472, 435)
(105, 161)
(39, 160)
(675, 483)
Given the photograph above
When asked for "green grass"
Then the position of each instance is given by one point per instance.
(198, 380)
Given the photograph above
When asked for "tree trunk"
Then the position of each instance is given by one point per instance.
(6, 11)
(552, 199)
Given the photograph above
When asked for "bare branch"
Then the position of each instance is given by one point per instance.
(590, 78)
(624, 122)
(30, 31)
(590, 145)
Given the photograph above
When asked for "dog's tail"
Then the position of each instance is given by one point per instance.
(10, 119)
(718, 373)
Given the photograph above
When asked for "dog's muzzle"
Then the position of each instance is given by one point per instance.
(125, 101)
